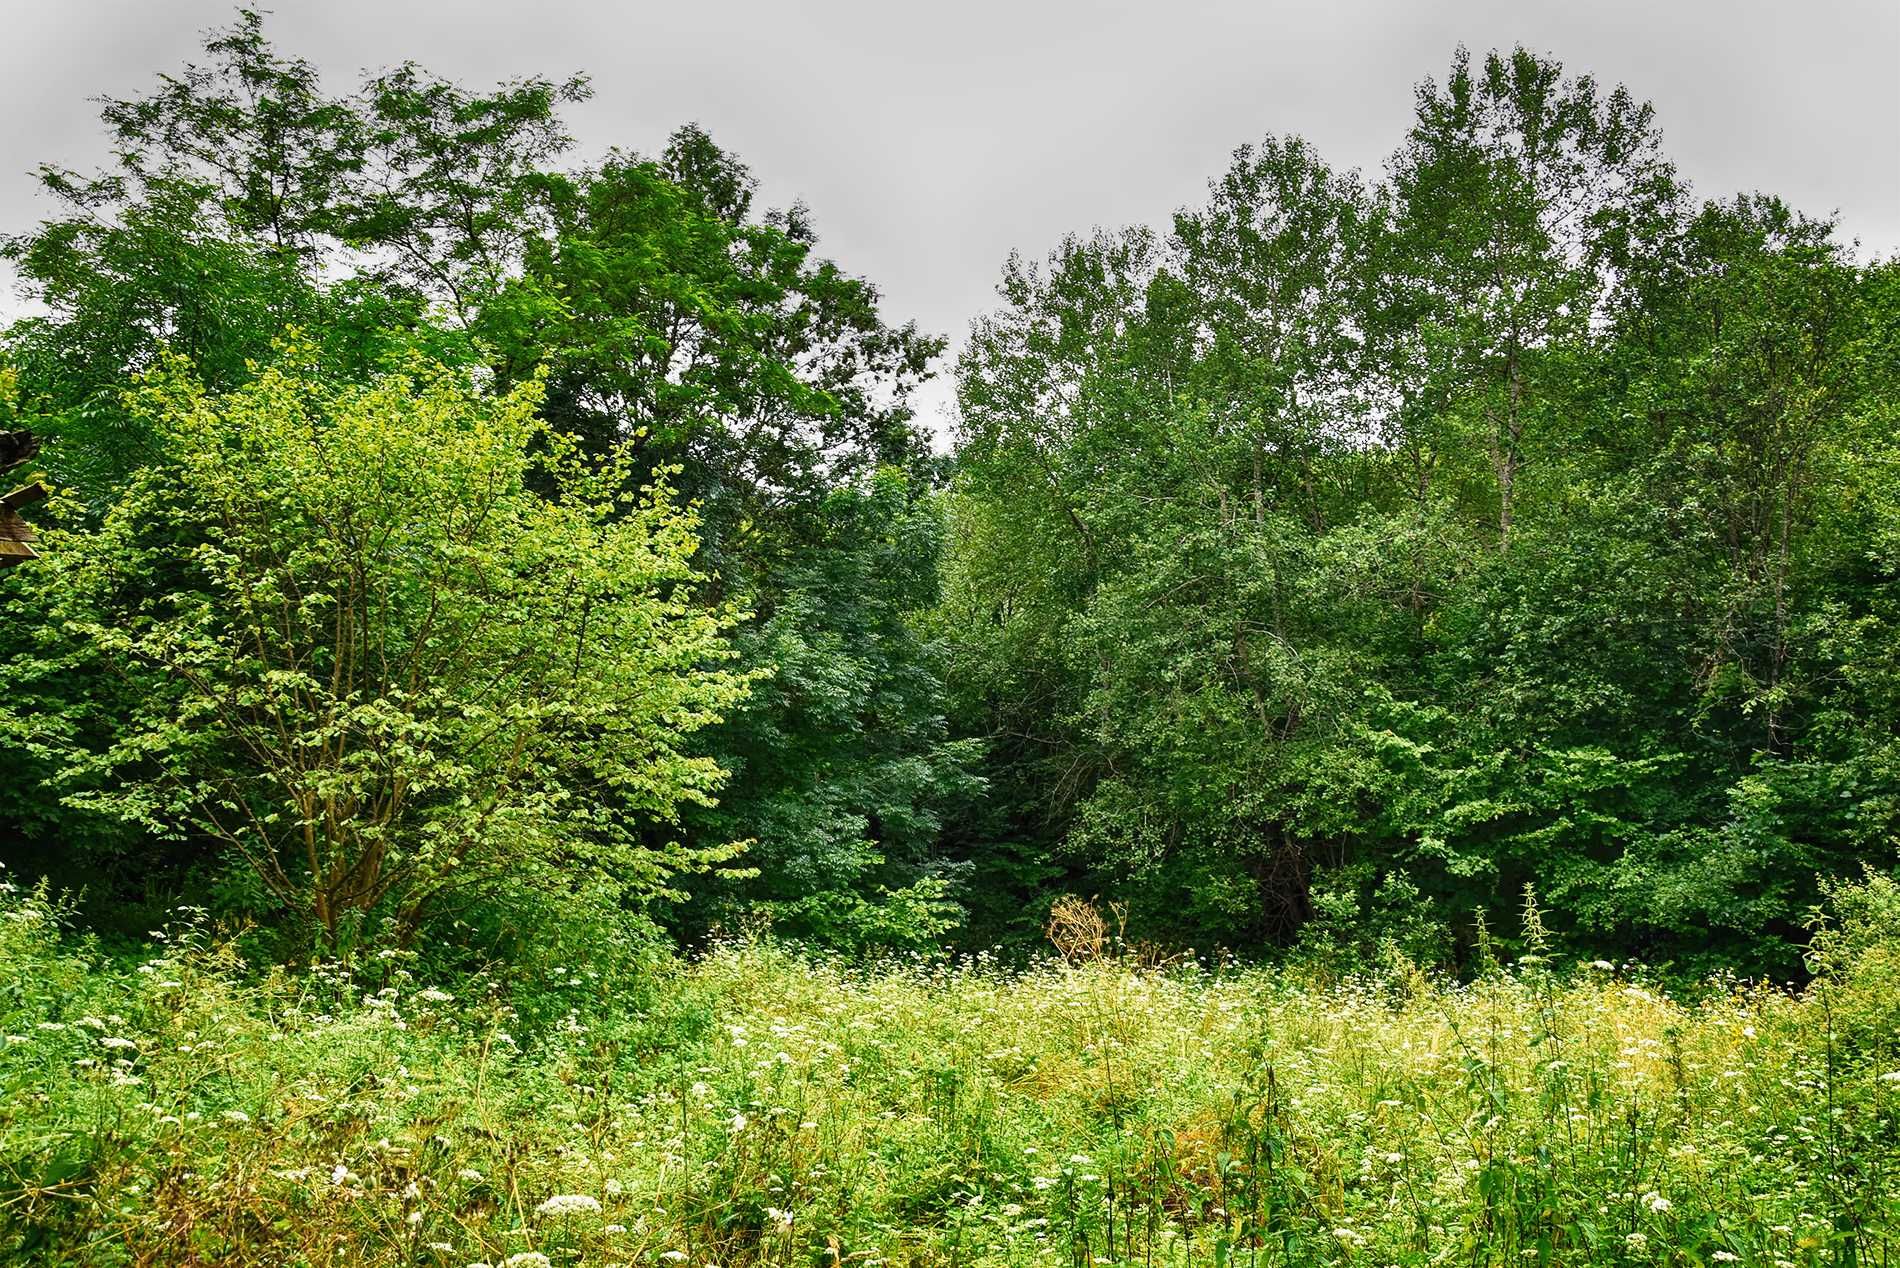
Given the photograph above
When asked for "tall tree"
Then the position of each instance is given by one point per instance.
(1521, 197)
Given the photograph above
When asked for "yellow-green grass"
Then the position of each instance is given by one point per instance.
(755, 1107)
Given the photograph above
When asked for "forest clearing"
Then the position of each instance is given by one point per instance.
(1366, 733)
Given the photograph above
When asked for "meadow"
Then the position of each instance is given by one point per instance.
(759, 1107)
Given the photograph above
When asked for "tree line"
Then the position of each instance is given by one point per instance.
(451, 542)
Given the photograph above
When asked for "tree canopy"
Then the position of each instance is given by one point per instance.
(439, 519)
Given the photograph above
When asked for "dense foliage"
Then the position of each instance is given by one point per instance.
(449, 534)
(1358, 552)
(361, 654)
(662, 334)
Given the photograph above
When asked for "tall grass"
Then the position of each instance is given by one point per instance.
(760, 1108)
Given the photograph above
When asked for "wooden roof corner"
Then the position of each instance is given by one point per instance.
(16, 535)
(17, 447)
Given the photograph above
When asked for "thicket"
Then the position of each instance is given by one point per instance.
(454, 545)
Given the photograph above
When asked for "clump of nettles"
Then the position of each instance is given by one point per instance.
(757, 1107)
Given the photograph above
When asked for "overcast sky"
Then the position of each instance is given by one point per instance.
(932, 139)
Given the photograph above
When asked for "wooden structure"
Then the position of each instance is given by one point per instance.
(16, 535)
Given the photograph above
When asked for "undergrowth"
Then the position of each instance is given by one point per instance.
(758, 1107)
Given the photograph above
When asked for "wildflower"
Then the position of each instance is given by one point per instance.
(569, 1204)
(115, 1043)
(469, 1174)
(434, 996)
(739, 1122)
(781, 1218)
(1636, 1241)
(341, 1174)
(673, 1256)
(1656, 1202)
(527, 1259)
(1724, 1256)
(235, 1116)
(614, 1228)
(1891, 1076)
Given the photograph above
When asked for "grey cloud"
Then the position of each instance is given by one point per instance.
(931, 139)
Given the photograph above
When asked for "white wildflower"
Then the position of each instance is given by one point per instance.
(569, 1204)
(527, 1259)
